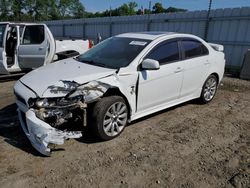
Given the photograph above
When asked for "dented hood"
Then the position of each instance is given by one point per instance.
(71, 70)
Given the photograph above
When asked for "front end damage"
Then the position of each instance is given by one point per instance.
(49, 121)
(41, 134)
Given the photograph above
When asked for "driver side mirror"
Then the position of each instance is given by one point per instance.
(150, 64)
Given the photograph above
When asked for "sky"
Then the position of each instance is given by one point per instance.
(102, 5)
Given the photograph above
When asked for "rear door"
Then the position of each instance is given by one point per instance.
(196, 65)
(3, 61)
(33, 48)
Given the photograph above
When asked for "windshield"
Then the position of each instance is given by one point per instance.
(114, 53)
(2, 31)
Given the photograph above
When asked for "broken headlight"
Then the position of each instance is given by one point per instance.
(54, 102)
(57, 111)
(67, 87)
(43, 103)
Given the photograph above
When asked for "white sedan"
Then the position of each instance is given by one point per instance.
(123, 78)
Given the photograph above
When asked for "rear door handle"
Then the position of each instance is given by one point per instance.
(41, 48)
(207, 62)
(178, 69)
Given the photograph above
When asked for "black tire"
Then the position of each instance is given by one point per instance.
(204, 99)
(99, 112)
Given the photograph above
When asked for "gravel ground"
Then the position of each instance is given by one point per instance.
(190, 145)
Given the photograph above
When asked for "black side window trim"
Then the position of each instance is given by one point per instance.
(183, 51)
(163, 43)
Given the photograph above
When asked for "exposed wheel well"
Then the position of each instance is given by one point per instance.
(217, 76)
(117, 92)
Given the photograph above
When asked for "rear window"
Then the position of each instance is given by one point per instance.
(2, 31)
(33, 34)
(193, 48)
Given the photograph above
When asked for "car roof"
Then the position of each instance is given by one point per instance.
(151, 35)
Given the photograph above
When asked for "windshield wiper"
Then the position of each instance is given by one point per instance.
(101, 64)
(83, 60)
(91, 62)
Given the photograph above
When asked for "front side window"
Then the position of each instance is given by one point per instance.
(193, 48)
(33, 34)
(2, 31)
(165, 53)
(115, 52)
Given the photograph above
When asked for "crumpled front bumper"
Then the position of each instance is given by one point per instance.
(40, 133)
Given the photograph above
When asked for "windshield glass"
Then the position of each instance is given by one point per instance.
(2, 30)
(115, 52)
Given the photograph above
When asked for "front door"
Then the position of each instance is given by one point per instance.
(158, 87)
(3, 60)
(33, 48)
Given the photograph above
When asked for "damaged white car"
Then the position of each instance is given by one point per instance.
(121, 79)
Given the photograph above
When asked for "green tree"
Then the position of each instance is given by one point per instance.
(5, 7)
(123, 10)
(40, 10)
(77, 9)
(53, 12)
(36, 9)
(131, 8)
(71, 8)
(158, 8)
(17, 9)
(63, 7)
(173, 9)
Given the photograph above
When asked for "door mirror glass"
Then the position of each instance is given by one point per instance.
(150, 64)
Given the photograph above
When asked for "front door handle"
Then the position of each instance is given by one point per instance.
(41, 48)
(178, 69)
(207, 62)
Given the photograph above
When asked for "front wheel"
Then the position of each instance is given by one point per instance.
(209, 89)
(110, 116)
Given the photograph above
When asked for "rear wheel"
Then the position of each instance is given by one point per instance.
(110, 117)
(209, 89)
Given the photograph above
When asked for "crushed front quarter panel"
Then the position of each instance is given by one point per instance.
(91, 91)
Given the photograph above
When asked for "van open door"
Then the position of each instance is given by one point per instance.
(3, 59)
(33, 48)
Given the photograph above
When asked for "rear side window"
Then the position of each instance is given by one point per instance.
(165, 53)
(33, 34)
(193, 48)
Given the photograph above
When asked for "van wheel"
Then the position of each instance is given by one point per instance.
(110, 116)
(209, 89)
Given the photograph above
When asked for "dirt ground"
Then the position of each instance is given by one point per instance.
(187, 146)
